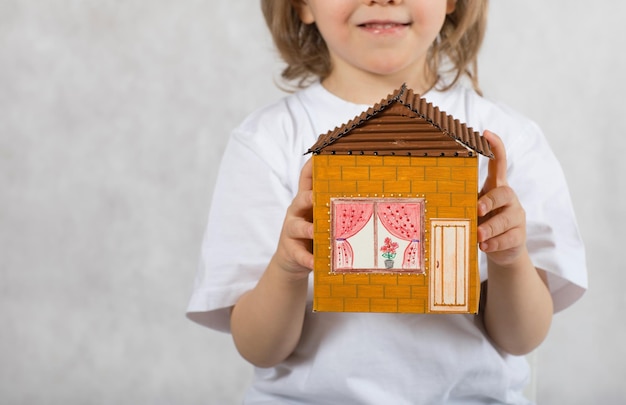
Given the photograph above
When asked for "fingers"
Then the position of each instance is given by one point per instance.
(502, 228)
(509, 219)
(502, 220)
(294, 251)
(295, 244)
(508, 241)
(495, 199)
(297, 227)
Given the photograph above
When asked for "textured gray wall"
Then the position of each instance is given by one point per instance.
(113, 117)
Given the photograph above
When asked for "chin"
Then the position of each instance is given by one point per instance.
(391, 67)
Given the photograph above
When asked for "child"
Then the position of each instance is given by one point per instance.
(254, 280)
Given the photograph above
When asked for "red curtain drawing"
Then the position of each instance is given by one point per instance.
(402, 220)
(349, 219)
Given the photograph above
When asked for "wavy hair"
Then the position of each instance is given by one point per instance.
(454, 53)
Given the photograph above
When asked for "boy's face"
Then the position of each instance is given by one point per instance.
(368, 39)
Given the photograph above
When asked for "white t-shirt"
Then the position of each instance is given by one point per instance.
(365, 358)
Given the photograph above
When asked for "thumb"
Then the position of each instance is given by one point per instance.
(496, 173)
(306, 176)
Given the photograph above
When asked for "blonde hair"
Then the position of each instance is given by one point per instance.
(304, 51)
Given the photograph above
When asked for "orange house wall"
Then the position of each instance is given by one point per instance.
(449, 186)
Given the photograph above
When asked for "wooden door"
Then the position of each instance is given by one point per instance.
(449, 265)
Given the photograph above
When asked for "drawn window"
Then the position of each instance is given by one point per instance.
(377, 235)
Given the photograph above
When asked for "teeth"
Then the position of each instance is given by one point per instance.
(385, 26)
(381, 26)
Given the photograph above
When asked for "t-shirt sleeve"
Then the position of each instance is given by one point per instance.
(247, 211)
(553, 239)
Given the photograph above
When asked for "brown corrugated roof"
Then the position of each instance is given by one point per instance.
(403, 124)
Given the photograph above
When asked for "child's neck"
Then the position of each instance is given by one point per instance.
(369, 89)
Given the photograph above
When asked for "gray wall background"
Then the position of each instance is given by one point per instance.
(113, 117)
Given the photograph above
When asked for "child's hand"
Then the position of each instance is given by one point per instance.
(293, 253)
(266, 322)
(502, 220)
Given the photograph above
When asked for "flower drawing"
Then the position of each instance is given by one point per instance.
(389, 249)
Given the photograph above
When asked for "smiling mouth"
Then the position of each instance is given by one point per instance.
(383, 26)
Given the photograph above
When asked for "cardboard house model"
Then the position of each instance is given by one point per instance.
(395, 195)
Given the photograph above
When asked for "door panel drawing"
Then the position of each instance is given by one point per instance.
(449, 265)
